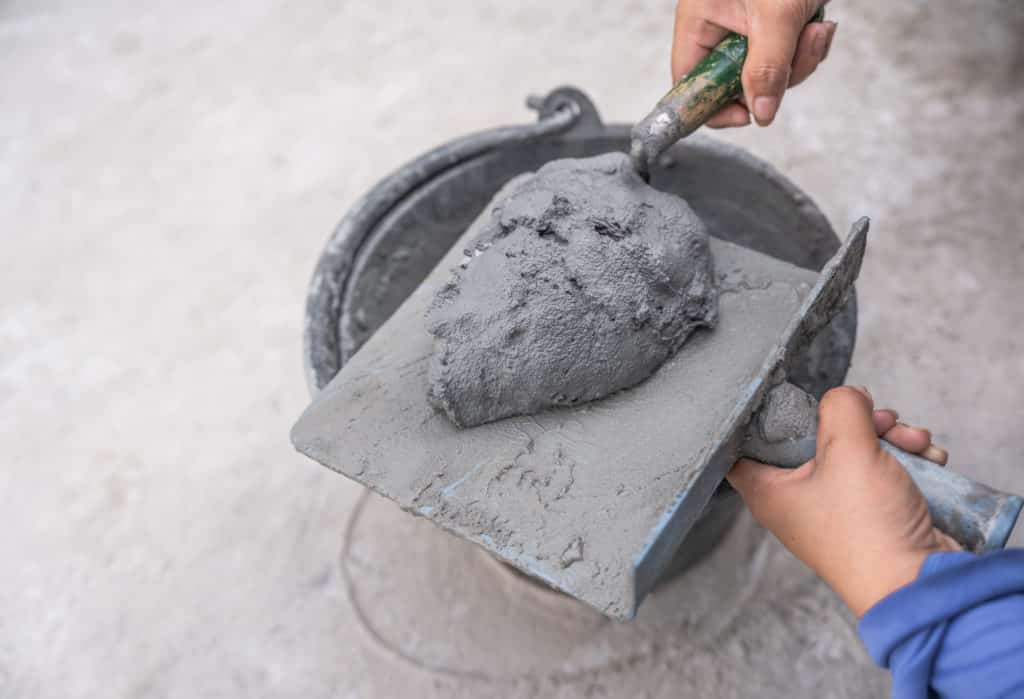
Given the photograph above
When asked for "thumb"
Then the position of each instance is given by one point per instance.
(750, 478)
(774, 31)
(845, 423)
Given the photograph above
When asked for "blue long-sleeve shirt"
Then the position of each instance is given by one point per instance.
(956, 631)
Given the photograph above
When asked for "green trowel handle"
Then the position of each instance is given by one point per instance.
(980, 518)
(714, 83)
(698, 95)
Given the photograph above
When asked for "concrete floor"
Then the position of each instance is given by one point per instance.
(168, 174)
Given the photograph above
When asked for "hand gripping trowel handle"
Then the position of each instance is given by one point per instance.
(699, 95)
(978, 517)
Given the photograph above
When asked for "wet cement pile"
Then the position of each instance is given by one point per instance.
(582, 281)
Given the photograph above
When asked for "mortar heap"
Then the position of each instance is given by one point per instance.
(581, 281)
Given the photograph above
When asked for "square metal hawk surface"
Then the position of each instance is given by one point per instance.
(592, 499)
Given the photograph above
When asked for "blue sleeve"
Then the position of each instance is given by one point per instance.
(956, 631)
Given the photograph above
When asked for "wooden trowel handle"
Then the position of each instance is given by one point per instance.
(978, 517)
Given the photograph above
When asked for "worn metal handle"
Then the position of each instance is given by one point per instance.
(980, 518)
(699, 95)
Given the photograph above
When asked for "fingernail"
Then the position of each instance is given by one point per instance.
(915, 427)
(936, 454)
(832, 26)
(764, 109)
(820, 44)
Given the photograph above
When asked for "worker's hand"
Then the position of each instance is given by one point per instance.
(783, 48)
(851, 513)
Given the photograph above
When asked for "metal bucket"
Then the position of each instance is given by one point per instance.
(391, 239)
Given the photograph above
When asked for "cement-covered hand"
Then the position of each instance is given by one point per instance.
(852, 513)
(783, 49)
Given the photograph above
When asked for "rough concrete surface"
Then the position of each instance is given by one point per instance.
(581, 280)
(168, 174)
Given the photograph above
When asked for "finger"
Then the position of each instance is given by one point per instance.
(885, 420)
(810, 51)
(692, 39)
(831, 33)
(912, 439)
(729, 116)
(751, 478)
(775, 29)
(916, 440)
(699, 26)
(863, 390)
(845, 420)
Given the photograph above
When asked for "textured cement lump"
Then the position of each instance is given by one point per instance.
(581, 282)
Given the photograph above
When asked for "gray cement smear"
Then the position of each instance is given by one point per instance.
(582, 280)
(785, 428)
(788, 413)
(571, 496)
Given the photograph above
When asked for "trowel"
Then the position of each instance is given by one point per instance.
(594, 500)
